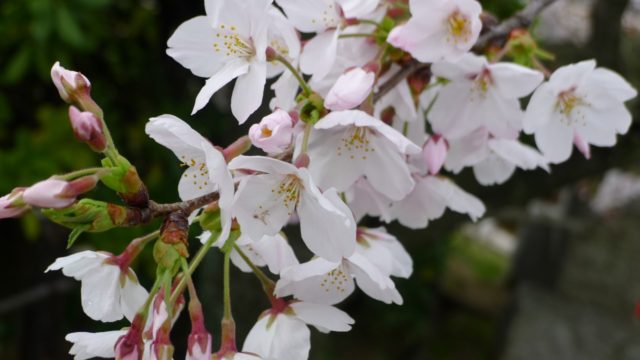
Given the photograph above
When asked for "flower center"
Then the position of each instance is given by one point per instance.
(199, 174)
(265, 132)
(481, 84)
(231, 44)
(459, 27)
(288, 191)
(355, 143)
(569, 106)
(335, 279)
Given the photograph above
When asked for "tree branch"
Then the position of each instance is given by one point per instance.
(520, 20)
(159, 210)
(405, 72)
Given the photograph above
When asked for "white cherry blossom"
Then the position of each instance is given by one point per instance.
(346, 145)
(350, 90)
(481, 94)
(283, 333)
(328, 282)
(384, 251)
(429, 199)
(108, 292)
(94, 345)
(579, 104)
(438, 29)
(265, 201)
(230, 42)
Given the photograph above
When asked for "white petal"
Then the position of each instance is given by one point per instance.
(133, 296)
(318, 281)
(319, 54)
(514, 81)
(261, 337)
(311, 15)
(326, 224)
(555, 140)
(248, 91)
(523, 156)
(177, 136)
(191, 46)
(276, 252)
(384, 161)
(493, 170)
(90, 345)
(220, 175)
(456, 199)
(258, 208)
(228, 72)
(372, 281)
(541, 108)
(323, 316)
(100, 294)
(262, 164)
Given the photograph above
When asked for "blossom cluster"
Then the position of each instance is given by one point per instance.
(351, 134)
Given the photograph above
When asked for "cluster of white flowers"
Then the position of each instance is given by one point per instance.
(340, 145)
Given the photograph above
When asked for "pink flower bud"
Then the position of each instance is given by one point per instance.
(199, 346)
(350, 90)
(434, 153)
(274, 132)
(48, 194)
(130, 345)
(582, 145)
(12, 205)
(88, 128)
(69, 82)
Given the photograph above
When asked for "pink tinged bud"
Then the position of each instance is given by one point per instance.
(69, 83)
(274, 132)
(80, 186)
(582, 145)
(350, 90)
(130, 345)
(49, 193)
(12, 205)
(199, 346)
(434, 153)
(88, 128)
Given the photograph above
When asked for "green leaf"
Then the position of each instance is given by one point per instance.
(69, 30)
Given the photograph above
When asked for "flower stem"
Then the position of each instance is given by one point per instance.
(267, 284)
(305, 138)
(354, 35)
(227, 287)
(78, 173)
(306, 89)
(192, 267)
(144, 311)
(88, 104)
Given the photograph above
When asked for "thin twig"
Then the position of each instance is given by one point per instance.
(159, 210)
(394, 80)
(520, 20)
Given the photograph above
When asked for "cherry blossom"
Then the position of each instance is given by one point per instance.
(350, 90)
(93, 345)
(481, 94)
(108, 292)
(265, 201)
(282, 333)
(579, 104)
(385, 252)
(438, 29)
(239, 33)
(328, 282)
(346, 145)
(68, 80)
(274, 132)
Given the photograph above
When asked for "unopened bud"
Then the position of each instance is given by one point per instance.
(124, 179)
(87, 128)
(12, 205)
(130, 346)
(274, 133)
(271, 54)
(434, 153)
(350, 90)
(302, 161)
(50, 193)
(70, 84)
(174, 240)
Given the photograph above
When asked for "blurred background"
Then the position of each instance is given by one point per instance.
(551, 273)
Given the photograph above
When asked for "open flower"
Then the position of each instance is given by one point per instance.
(282, 331)
(265, 201)
(384, 251)
(346, 145)
(481, 94)
(429, 199)
(94, 345)
(438, 29)
(108, 292)
(579, 104)
(230, 42)
(328, 282)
